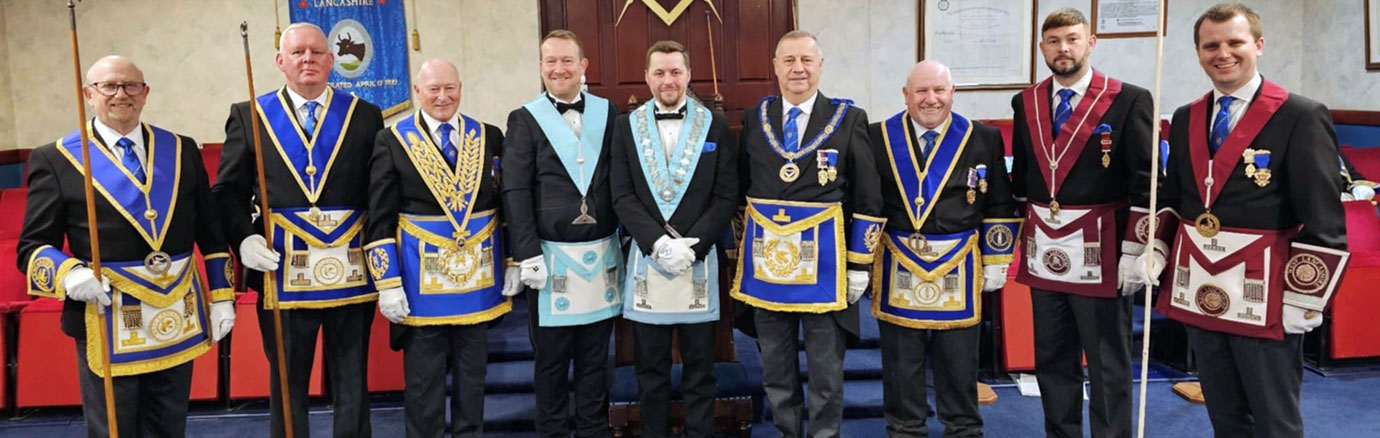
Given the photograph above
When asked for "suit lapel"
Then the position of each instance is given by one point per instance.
(819, 116)
(774, 115)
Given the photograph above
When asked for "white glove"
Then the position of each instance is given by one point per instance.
(857, 284)
(81, 285)
(993, 277)
(1150, 275)
(1300, 320)
(1363, 193)
(1129, 275)
(393, 304)
(222, 319)
(512, 281)
(675, 255)
(255, 254)
(533, 272)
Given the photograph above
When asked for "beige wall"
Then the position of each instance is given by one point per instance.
(870, 45)
(195, 65)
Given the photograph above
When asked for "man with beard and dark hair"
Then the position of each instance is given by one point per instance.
(1262, 244)
(1081, 151)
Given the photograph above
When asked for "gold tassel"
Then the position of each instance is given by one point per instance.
(277, 37)
(416, 41)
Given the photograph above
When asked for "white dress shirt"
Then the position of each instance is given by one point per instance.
(802, 120)
(670, 128)
(571, 117)
(920, 135)
(1079, 87)
(111, 137)
(1242, 99)
(435, 126)
(299, 103)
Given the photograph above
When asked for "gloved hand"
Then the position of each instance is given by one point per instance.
(993, 277)
(256, 255)
(222, 319)
(533, 272)
(857, 284)
(675, 255)
(512, 281)
(1300, 320)
(1129, 275)
(1150, 274)
(81, 285)
(1363, 193)
(393, 304)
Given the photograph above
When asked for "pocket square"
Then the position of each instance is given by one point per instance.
(710, 146)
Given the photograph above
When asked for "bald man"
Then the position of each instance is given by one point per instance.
(950, 231)
(156, 327)
(436, 251)
(316, 144)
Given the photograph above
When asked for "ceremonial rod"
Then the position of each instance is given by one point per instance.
(713, 65)
(1154, 199)
(112, 428)
(268, 232)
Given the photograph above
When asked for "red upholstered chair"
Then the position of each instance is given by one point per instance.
(210, 157)
(1366, 160)
(249, 367)
(1351, 331)
(46, 362)
(385, 365)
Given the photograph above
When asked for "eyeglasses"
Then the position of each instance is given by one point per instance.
(111, 88)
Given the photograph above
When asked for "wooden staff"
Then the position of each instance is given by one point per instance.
(713, 62)
(112, 428)
(268, 231)
(1154, 199)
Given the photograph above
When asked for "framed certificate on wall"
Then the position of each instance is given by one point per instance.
(1126, 18)
(987, 44)
(1372, 36)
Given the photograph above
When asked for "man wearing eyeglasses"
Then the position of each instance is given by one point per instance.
(316, 145)
(158, 318)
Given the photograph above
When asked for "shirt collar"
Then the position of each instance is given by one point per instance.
(578, 97)
(1244, 94)
(806, 107)
(1079, 87)
(298, 100)
(435, 125)
(110, 136)
(921, 130)
(677, 108)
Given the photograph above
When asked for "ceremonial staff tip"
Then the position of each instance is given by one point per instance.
(244, 28)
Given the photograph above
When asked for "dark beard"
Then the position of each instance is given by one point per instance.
(1065, 72)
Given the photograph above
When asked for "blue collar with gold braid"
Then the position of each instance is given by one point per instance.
(309, 158)
(454, 190)
(146, 205)
(840, 108)
(920, 184)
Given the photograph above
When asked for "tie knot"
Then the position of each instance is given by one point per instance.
(312, 105)
(1225, 102)
(1066, 94)
(445, 129)
(929, 136)
(124, 143)
(794, 112)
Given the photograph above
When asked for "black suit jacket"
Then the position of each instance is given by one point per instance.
(396, 187)
(708, 204)
(1303, 188)
(1126, 179)
(857, 186)
(237, 189)
(56, 210)
(540, 199)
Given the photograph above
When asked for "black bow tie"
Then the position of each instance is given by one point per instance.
(562, 107)
(678, 115)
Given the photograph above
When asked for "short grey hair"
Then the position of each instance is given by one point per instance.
(298, 25)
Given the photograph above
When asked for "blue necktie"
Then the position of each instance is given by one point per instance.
(1063, 111)
(929, 137)
(792, 138)
(448, 146)
(310, 123)
(130, 160)
(1221, 125)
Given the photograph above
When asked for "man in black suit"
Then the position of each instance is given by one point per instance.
(950, 233)
(316, 144)
(435, 251)
(675, 188)
(153, 204)
(1080, 156)
(1252, 172)
(563, 232)
(809, 175)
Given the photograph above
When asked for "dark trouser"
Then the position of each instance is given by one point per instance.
(345, 331)
(556, 347)
(654, 378)
(777, 334)
(955, 354)
(146, 405)
(425, 356)
(1065, 326)
(1250, 385)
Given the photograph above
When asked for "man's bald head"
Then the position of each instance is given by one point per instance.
(929, 93)
(116, 92)
(437, 87)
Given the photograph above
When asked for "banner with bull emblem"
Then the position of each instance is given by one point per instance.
(369, 41)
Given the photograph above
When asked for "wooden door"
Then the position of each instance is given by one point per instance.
(743, 44)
